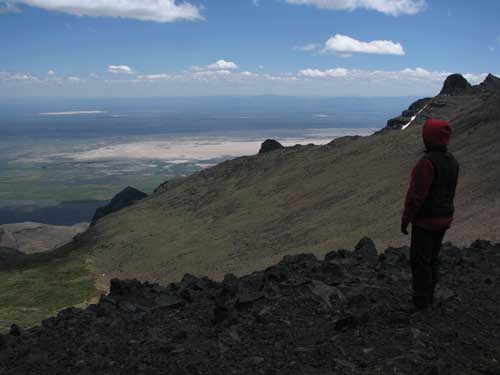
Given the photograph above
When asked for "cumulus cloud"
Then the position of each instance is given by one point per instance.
(218, 65)
(120, 69)
(315, 73)
(345, 45)
(417, 73)
(143, 10)
(155, 77)
(390, 7)
(333, 81)
(222, 65)
(51, 73)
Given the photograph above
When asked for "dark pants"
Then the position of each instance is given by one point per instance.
(425, 246)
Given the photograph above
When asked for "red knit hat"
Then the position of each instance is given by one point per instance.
(436, 132)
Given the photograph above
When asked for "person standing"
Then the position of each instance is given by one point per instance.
(429, 207)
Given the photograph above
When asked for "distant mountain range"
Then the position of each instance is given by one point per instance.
(246, 213)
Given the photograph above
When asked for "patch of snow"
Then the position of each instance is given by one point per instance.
(413, 118)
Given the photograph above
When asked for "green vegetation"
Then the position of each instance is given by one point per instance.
(39, 290)
(54, 182)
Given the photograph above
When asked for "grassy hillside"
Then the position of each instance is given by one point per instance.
(246, 213)
(43, 287)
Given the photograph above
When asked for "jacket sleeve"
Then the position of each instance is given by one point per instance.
(422, 177)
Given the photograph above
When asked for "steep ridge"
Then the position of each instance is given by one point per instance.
(246, 213)
(346, 315)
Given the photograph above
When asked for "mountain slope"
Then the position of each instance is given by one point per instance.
(246, 213)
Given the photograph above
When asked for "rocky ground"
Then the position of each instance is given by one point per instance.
(346, 314)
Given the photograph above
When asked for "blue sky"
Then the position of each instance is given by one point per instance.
(243, 47)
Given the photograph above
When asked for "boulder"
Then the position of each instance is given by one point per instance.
(365, 249)
(332, 255)
(270, 145)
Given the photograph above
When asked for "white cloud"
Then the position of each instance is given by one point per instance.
(143, 10)
(6, 8)
(315, 73)
(218, 65)
(418, 72)
(154, 77)
(334, 81)
(120, 69)
(18, 77)
(390, 7)
(308, 47)
(405, 75)
(73, 79)
(222, 65)
(345, 45)
(211, 73)
(51, 73)
(475, 78)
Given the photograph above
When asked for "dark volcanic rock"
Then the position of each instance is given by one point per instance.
(123, 199)
(365, 249)
(491, 83)
(301, 316)
(455, 84)
(406, 116)
(270, 145)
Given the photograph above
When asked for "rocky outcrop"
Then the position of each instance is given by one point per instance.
(348, 314)
(456, 89)
(490, 84)
(270, 145)
(407, 115)
(125, 198)
(455, 84)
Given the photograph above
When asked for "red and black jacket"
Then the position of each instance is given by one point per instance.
(429, 200)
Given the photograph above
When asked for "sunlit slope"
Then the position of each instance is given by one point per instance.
(246, 213)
